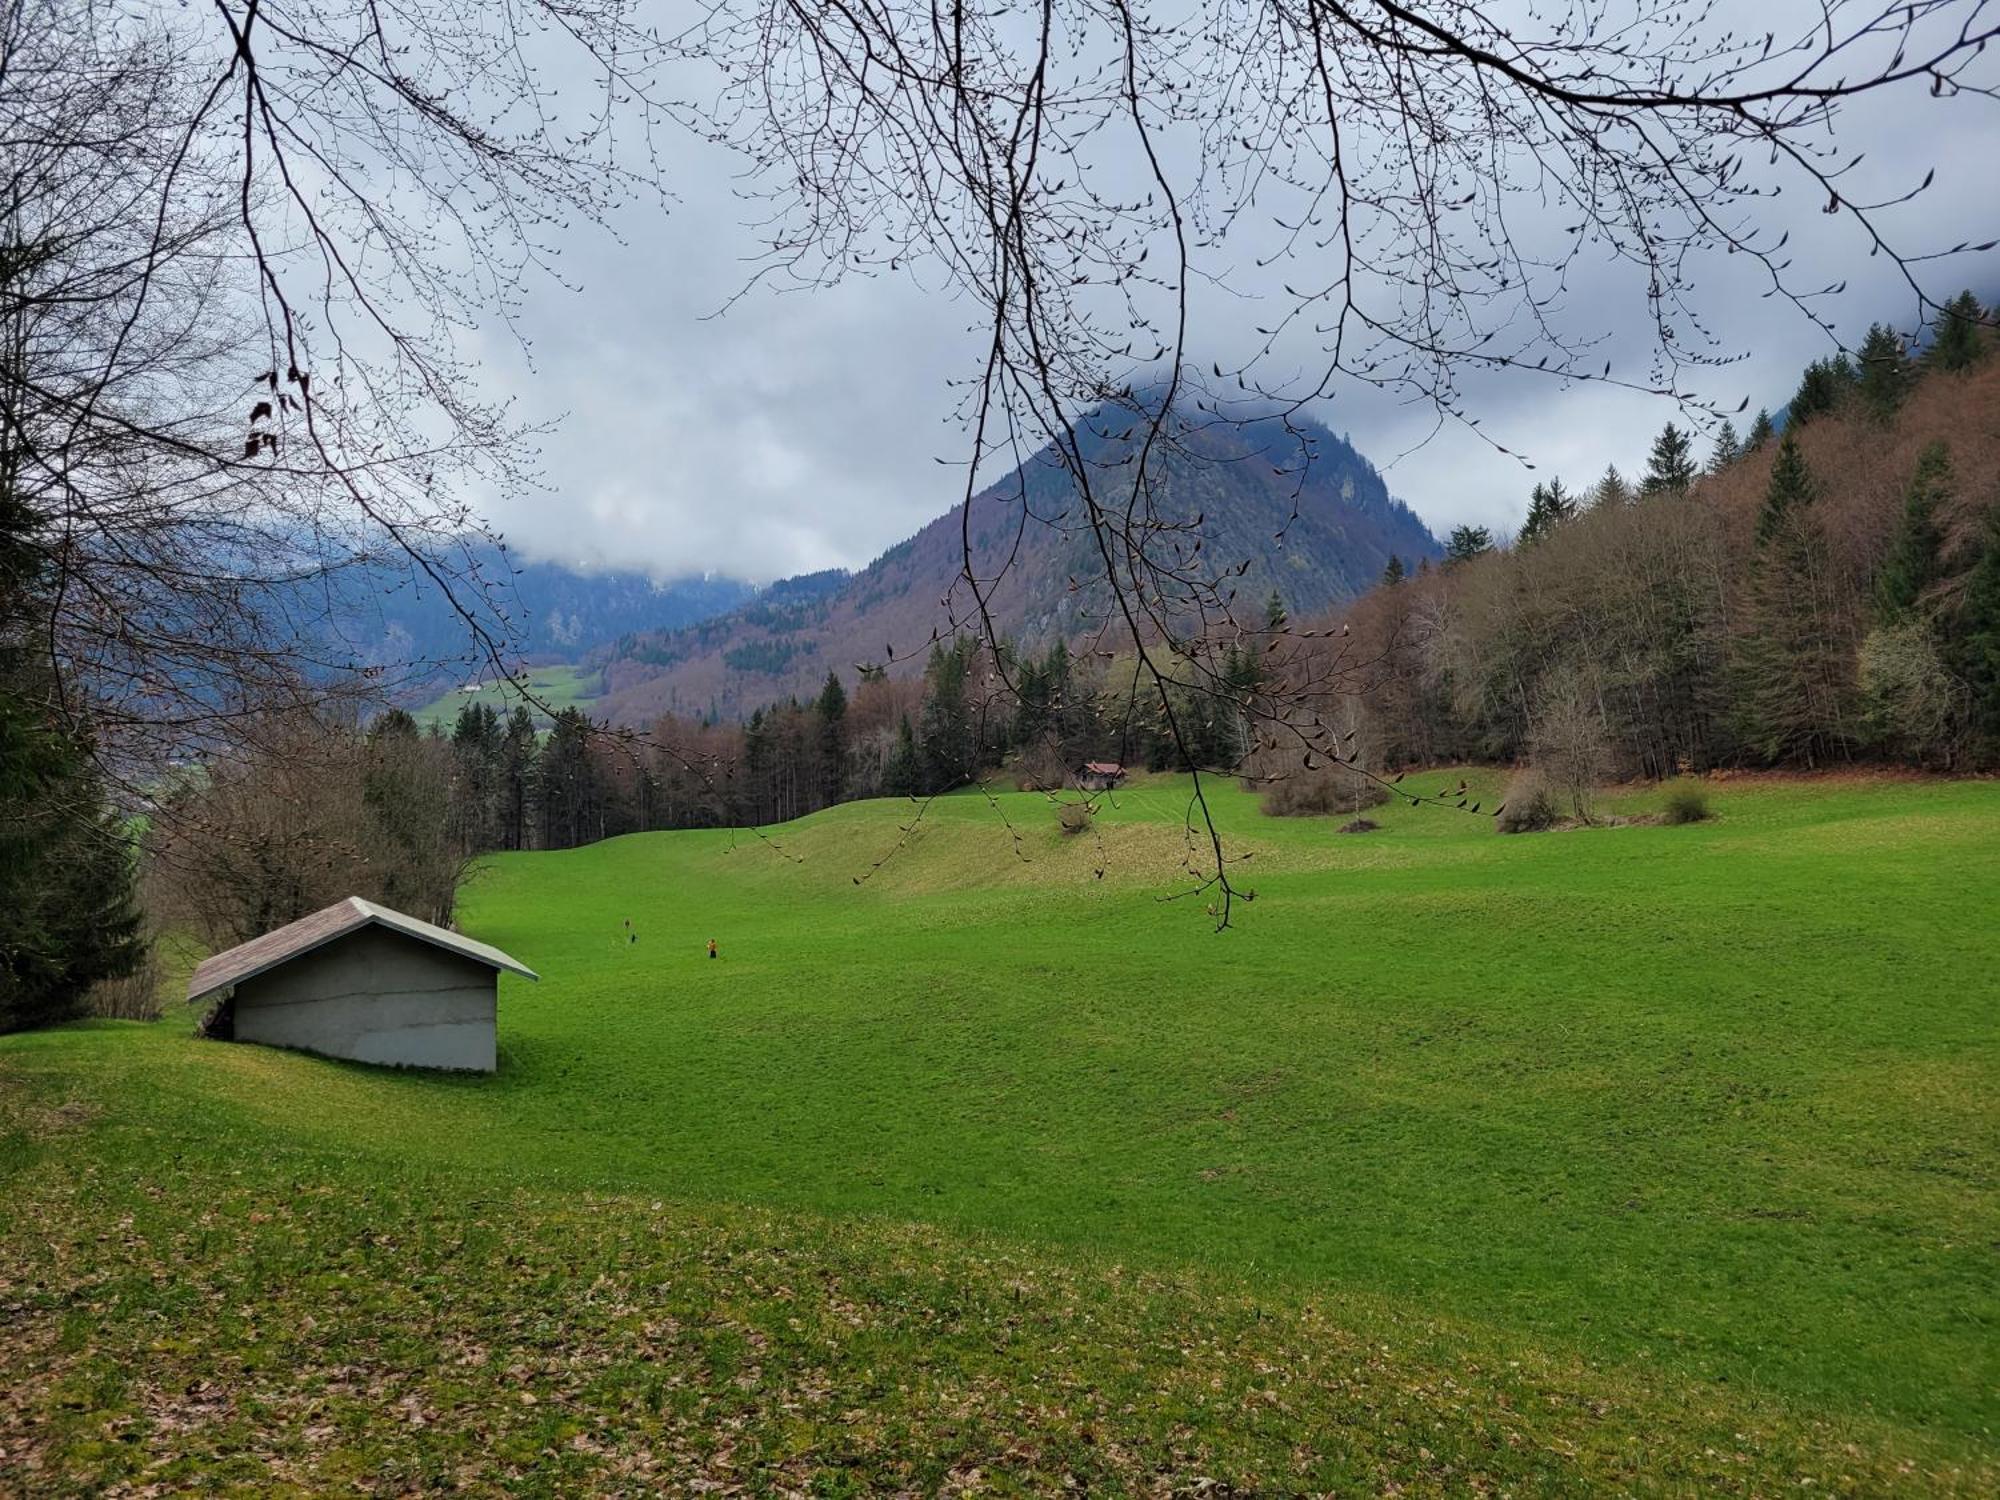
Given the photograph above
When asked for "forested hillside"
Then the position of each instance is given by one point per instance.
(387, 617)
(1296, 507)
(1812, 598)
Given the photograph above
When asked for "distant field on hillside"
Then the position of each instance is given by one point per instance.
(1643, 1157)
(559, 687)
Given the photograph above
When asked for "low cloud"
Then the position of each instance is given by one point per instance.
(802, 430)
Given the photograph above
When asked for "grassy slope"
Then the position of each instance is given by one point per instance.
(559, 686)
(1694, 1124)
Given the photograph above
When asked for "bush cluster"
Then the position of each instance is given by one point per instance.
(1687, 804)
(1321, 793)
(1530, 806)
(1074, 818)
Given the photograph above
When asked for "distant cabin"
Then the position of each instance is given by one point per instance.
(360, 981)
(1100, 775)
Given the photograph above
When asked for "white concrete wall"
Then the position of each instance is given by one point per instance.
(376, 996)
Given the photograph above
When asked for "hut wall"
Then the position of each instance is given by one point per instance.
(376, 996)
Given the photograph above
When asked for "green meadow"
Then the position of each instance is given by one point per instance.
(1632, 1158)
(560, 687)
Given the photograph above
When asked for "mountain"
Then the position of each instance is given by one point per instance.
(560, 613)
(1232, 486)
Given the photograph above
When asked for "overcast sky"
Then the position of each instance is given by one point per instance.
(801, 430)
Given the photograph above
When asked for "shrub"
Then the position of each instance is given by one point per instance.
(1567, 742)
(129, 997)
(1360, 825)
(1321, 793)
(1687, 804)
(1074, 818)
(1530, 806)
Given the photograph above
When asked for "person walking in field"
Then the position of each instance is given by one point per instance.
(711, 948)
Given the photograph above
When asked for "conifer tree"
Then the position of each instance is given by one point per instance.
(1789, 487)
(1393, 573)
(517, 776)
(67, 913)
(1823, 389)
(1761, 432)
(1466, 543)
(1795, 673)
(475, 778)
(1974, 651)
(945, 742)
(1915, 562)
(831, 711)
(1031, 702)
(1885, 373)
(1670, 466)
(903, 775)
(1727, 448)
(1611, 489)
(1548, 507)
(1274, 611)
(1067, 718)
(68, 917)
(1957, 344)
(567, 794)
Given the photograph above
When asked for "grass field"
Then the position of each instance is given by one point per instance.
(559, 687)
(1642, 1158)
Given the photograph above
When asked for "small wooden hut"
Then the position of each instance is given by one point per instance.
(360, 981)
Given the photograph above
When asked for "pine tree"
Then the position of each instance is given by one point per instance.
(1466, 543)
(1761, 432)
(1915, 560)
(1795, 673)
(830, 709)
(945, 740)
(1274, 612)
(1611, 489)
(1885, 373)
(1727, 449)
(903, 775)
(567, 793)
(517, 776)
(1789, 487)
(1974, 650)
(1031, 703)
(1824, 389)
(1068, 717)
(68, 915)
(475, 781)
(1670, 466)
(1537, 519)
(1956, 343)
(1393, 573)
(1548, 507)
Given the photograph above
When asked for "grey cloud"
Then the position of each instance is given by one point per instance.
(802, 430)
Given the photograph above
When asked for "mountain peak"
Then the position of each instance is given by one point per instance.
(1269, 502)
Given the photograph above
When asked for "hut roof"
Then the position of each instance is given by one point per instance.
(252, 958)
(1104, 768)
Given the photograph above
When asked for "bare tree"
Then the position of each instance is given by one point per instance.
(240, 241)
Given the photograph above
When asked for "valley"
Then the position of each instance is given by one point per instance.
(1637, 1156)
